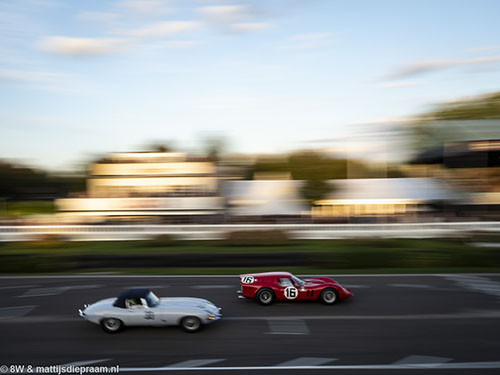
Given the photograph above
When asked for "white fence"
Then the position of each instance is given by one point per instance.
(214, 232)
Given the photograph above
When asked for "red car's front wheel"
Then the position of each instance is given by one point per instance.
(328, 296)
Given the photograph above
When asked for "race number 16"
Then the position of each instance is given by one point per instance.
(291, 292)
(248, 280)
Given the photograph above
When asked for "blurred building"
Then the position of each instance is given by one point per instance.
(265, 200)
(473, 165)
(148, 186)
(383, 197)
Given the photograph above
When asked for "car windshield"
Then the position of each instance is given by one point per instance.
(152, 299)
(297, 280)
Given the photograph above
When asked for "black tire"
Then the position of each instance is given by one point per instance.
(329, 296)
(191, 324)
(111, 325)
(265, 296)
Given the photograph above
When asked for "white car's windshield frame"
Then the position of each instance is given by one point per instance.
(152, 299)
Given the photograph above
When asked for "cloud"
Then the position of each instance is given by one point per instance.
(161, 29)
(175, 44)
(83, 47)
(435, 65)
(236, 18)
(306, 41)
(70, 46)
(245, 27)
(484, 49)
(225, 14)
(148, 8)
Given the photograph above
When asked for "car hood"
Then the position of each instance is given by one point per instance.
(188, 301)
(99, 305)
(319, 281)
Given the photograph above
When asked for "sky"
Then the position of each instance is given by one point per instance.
(86, 78)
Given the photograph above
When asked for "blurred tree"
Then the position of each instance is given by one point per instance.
(214, 147)
(160, 146)
(22, 183)
(483, 107)
(458, 120)
(312, 167)
(316, 169)
(314, 190)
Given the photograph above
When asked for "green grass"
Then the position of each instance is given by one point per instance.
(294, 270)
(51, 246)
(320, 256)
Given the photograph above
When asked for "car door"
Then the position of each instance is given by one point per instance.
(290, 290)
(138, 313)
(286, 290)
(170, 312)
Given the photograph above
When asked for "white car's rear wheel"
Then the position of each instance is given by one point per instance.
(111, 325)
(191, 324)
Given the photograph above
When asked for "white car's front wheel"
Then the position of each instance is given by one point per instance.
(191, 324)
(111, 325)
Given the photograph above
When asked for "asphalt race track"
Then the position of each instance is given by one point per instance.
(395, 324)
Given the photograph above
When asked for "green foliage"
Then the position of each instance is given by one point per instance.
(22, 183)
(310, 165)
(314, 190)
(455, 121)
(163, 240)
(304, 165)
(47, 241)
(24, 208)
(484, 107)
(319, 256)
(257, 238)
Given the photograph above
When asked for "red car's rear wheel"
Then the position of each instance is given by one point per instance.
(265, 296)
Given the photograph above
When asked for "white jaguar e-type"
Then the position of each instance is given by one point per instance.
(141, 307)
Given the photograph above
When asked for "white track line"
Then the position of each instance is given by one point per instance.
(195, 363)
(443, 366)
(486, 314)
(417, 360)
(307, 361)
(18, 287)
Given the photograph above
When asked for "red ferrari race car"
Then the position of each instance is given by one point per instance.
(270, 286)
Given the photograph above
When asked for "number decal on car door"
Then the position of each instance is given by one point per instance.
(248, 280)
(291, 292)
(149, 315)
